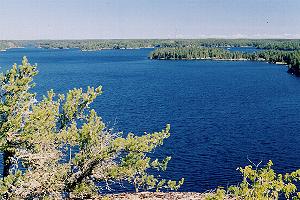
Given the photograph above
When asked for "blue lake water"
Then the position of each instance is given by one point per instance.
(221, 113)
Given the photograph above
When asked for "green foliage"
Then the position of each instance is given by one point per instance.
(91, 45)
(64, 147)
(291, 58)
(275, 44)
(192, 53)
(261, 183)
(220, 194)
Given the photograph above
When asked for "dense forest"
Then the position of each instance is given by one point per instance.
(276, 44)
(192, 53)
(291, 58)
(99, 44)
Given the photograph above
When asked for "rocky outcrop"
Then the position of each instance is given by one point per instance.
(160, 196)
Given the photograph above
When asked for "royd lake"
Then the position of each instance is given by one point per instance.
(222, 113)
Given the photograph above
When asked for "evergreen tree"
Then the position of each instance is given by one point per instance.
(58, 147)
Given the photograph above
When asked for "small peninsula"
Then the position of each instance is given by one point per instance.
(290, 58)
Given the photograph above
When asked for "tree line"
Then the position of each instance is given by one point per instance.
(291, 58)
(99, 44)
(7, 44)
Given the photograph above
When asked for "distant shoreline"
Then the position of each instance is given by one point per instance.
(3, 50)
(185, 59)
(220, 59)
(217, 59)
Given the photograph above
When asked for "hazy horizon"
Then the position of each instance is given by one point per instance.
(142, 19)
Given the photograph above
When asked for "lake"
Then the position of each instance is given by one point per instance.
(221, 113)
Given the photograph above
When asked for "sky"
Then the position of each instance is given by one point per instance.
(122, 19)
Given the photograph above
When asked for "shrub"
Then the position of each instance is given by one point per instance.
(261, 183)
(58, 147)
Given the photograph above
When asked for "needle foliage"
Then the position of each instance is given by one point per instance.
(261, 183)
(58, 147)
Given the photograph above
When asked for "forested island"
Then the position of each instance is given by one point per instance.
(291, 58)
